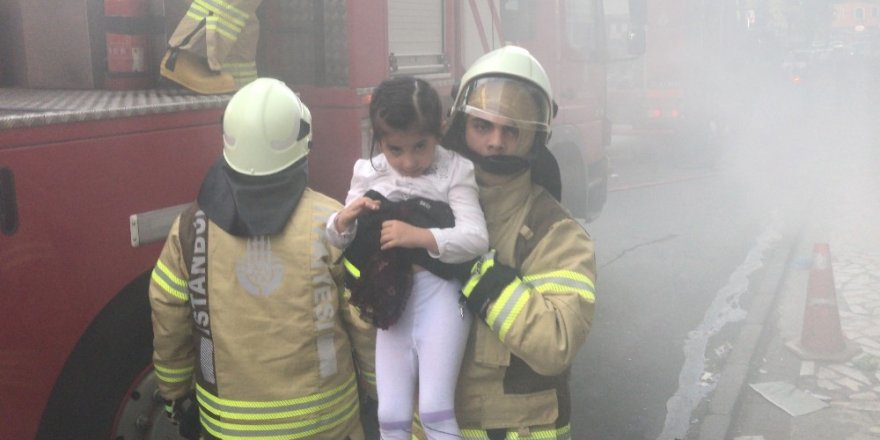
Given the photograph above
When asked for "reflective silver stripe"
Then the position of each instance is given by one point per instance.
(170, 282)
(268, 410)
(513, 298)
(483, 265)
(563, 433)
(474, 434)
(296, 430)
(507, 307)
(240, 69)
(226, 19)
(369, 376)
(226, 10)
(173, 375)
(327, 355)
(206, 360)
(562, 281)
(326, 298)
(243, 80)
(197, 12)
(213, 23)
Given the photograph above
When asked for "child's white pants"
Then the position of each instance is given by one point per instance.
(421, 354)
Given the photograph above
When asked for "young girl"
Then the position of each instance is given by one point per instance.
(411, 219)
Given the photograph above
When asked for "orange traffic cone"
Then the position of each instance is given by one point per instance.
(821, 336)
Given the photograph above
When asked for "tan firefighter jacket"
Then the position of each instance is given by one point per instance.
(270, 345)
(224, 31)
(515, 372)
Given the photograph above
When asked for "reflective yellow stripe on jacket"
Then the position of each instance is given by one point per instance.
(563, 433)
(243, 73)
(170, 282)
(316, 413)
(351, 268)
(220, 16)
(173, 375)
(369, 376)
(510, 302)
(561, 281)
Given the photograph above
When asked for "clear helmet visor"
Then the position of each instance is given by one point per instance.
(507, 101)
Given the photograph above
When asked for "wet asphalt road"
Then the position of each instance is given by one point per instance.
(682, 232)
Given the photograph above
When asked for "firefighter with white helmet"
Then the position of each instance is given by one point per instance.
(507, 87)
(248, 310)
(265, 129)
(533, 294)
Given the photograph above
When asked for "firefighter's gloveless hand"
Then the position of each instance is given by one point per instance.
(353, 210)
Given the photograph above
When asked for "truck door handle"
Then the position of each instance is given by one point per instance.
(8, 205)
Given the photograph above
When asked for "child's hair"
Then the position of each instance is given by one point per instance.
(405, 103)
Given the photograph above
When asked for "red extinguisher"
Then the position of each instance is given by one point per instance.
(127, 27)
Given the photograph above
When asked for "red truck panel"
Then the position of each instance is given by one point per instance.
(76, 185)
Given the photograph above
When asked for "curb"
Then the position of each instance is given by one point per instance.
(726, 398)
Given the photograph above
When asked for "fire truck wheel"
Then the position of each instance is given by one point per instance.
(574, 179)
(105, 373)
(142, 414)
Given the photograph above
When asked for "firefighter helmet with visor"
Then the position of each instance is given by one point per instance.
(509, 87)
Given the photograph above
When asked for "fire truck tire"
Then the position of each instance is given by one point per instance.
(103, 370)
(574, 179)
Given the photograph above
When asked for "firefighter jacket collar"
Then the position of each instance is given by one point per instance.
(248, 206)
(502, 200)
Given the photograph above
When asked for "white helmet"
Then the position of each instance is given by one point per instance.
(507, 86)
(266, 128)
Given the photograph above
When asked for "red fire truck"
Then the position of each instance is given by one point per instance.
(90, 181)
(438, 41)
(677, 87)
(568, 38)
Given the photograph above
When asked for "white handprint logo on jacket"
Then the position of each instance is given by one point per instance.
(259, 272)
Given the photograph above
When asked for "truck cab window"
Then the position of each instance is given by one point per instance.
(518, 19)
(582, 28)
